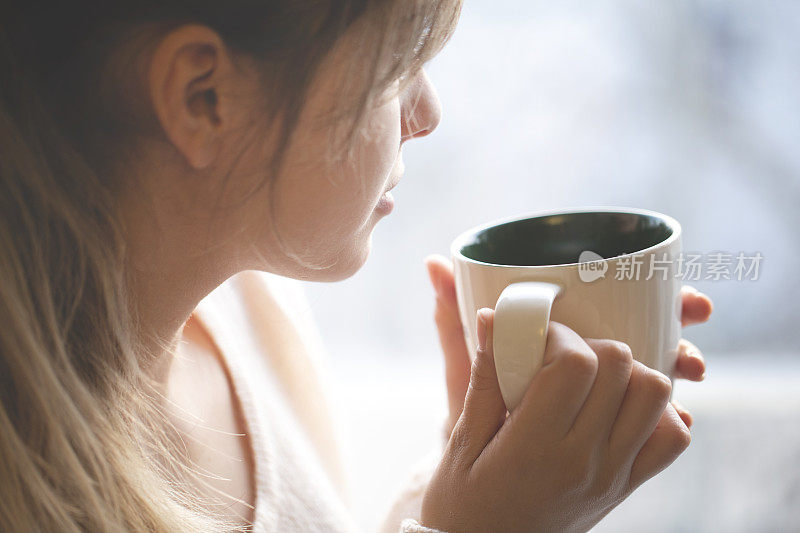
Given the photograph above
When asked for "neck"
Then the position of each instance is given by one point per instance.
(165, 300)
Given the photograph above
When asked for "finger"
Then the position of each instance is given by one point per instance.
(484, 410)
(685, 415)
(690, 363)
(615, 363)
(440, 270)
(696, 307)
(669, 439)
(559, 389)
(451, 337)
(647, 395)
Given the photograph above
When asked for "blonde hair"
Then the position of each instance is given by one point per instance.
(85, 444)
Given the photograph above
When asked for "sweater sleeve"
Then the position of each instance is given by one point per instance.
(405, 510)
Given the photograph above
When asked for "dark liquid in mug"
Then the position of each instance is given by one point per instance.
(559, 239)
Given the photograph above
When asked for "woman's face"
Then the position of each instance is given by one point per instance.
(326, 210)
(194, 198)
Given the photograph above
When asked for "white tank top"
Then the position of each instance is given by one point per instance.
(256, 320)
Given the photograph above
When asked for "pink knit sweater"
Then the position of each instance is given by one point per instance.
(262, 326)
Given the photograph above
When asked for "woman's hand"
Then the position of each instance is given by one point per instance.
(690, 365)
(592, 426)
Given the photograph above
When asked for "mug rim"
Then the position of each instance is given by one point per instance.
(459, 242)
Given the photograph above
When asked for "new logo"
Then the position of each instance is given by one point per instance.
(591, 266)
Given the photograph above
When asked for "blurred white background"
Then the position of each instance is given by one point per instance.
(691, 108)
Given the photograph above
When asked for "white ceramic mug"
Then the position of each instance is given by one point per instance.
(577, 267)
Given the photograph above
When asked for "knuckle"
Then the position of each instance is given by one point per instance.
(457, 454)
(616, 353)
(556, 330)
(657, 384)
(479, 375)
(459, 438)
(621, 351)
(558, 334)
(679, 436)
(581, 362)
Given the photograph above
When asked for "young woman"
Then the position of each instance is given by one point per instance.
(163, 166)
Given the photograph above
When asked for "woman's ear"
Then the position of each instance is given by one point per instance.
(186, 71)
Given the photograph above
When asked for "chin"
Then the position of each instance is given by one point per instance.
(335, 265)
(346, 264)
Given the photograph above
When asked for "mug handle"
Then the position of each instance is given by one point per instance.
(521, 319)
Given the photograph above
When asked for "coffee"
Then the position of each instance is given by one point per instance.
(559, 239)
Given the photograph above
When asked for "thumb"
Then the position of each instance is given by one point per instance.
(484, 410)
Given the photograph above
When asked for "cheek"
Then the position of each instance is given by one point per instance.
(323, 207)
(375, 155)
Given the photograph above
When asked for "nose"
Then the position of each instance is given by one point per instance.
(421, 110)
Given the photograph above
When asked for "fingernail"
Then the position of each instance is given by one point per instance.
(481, 331)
